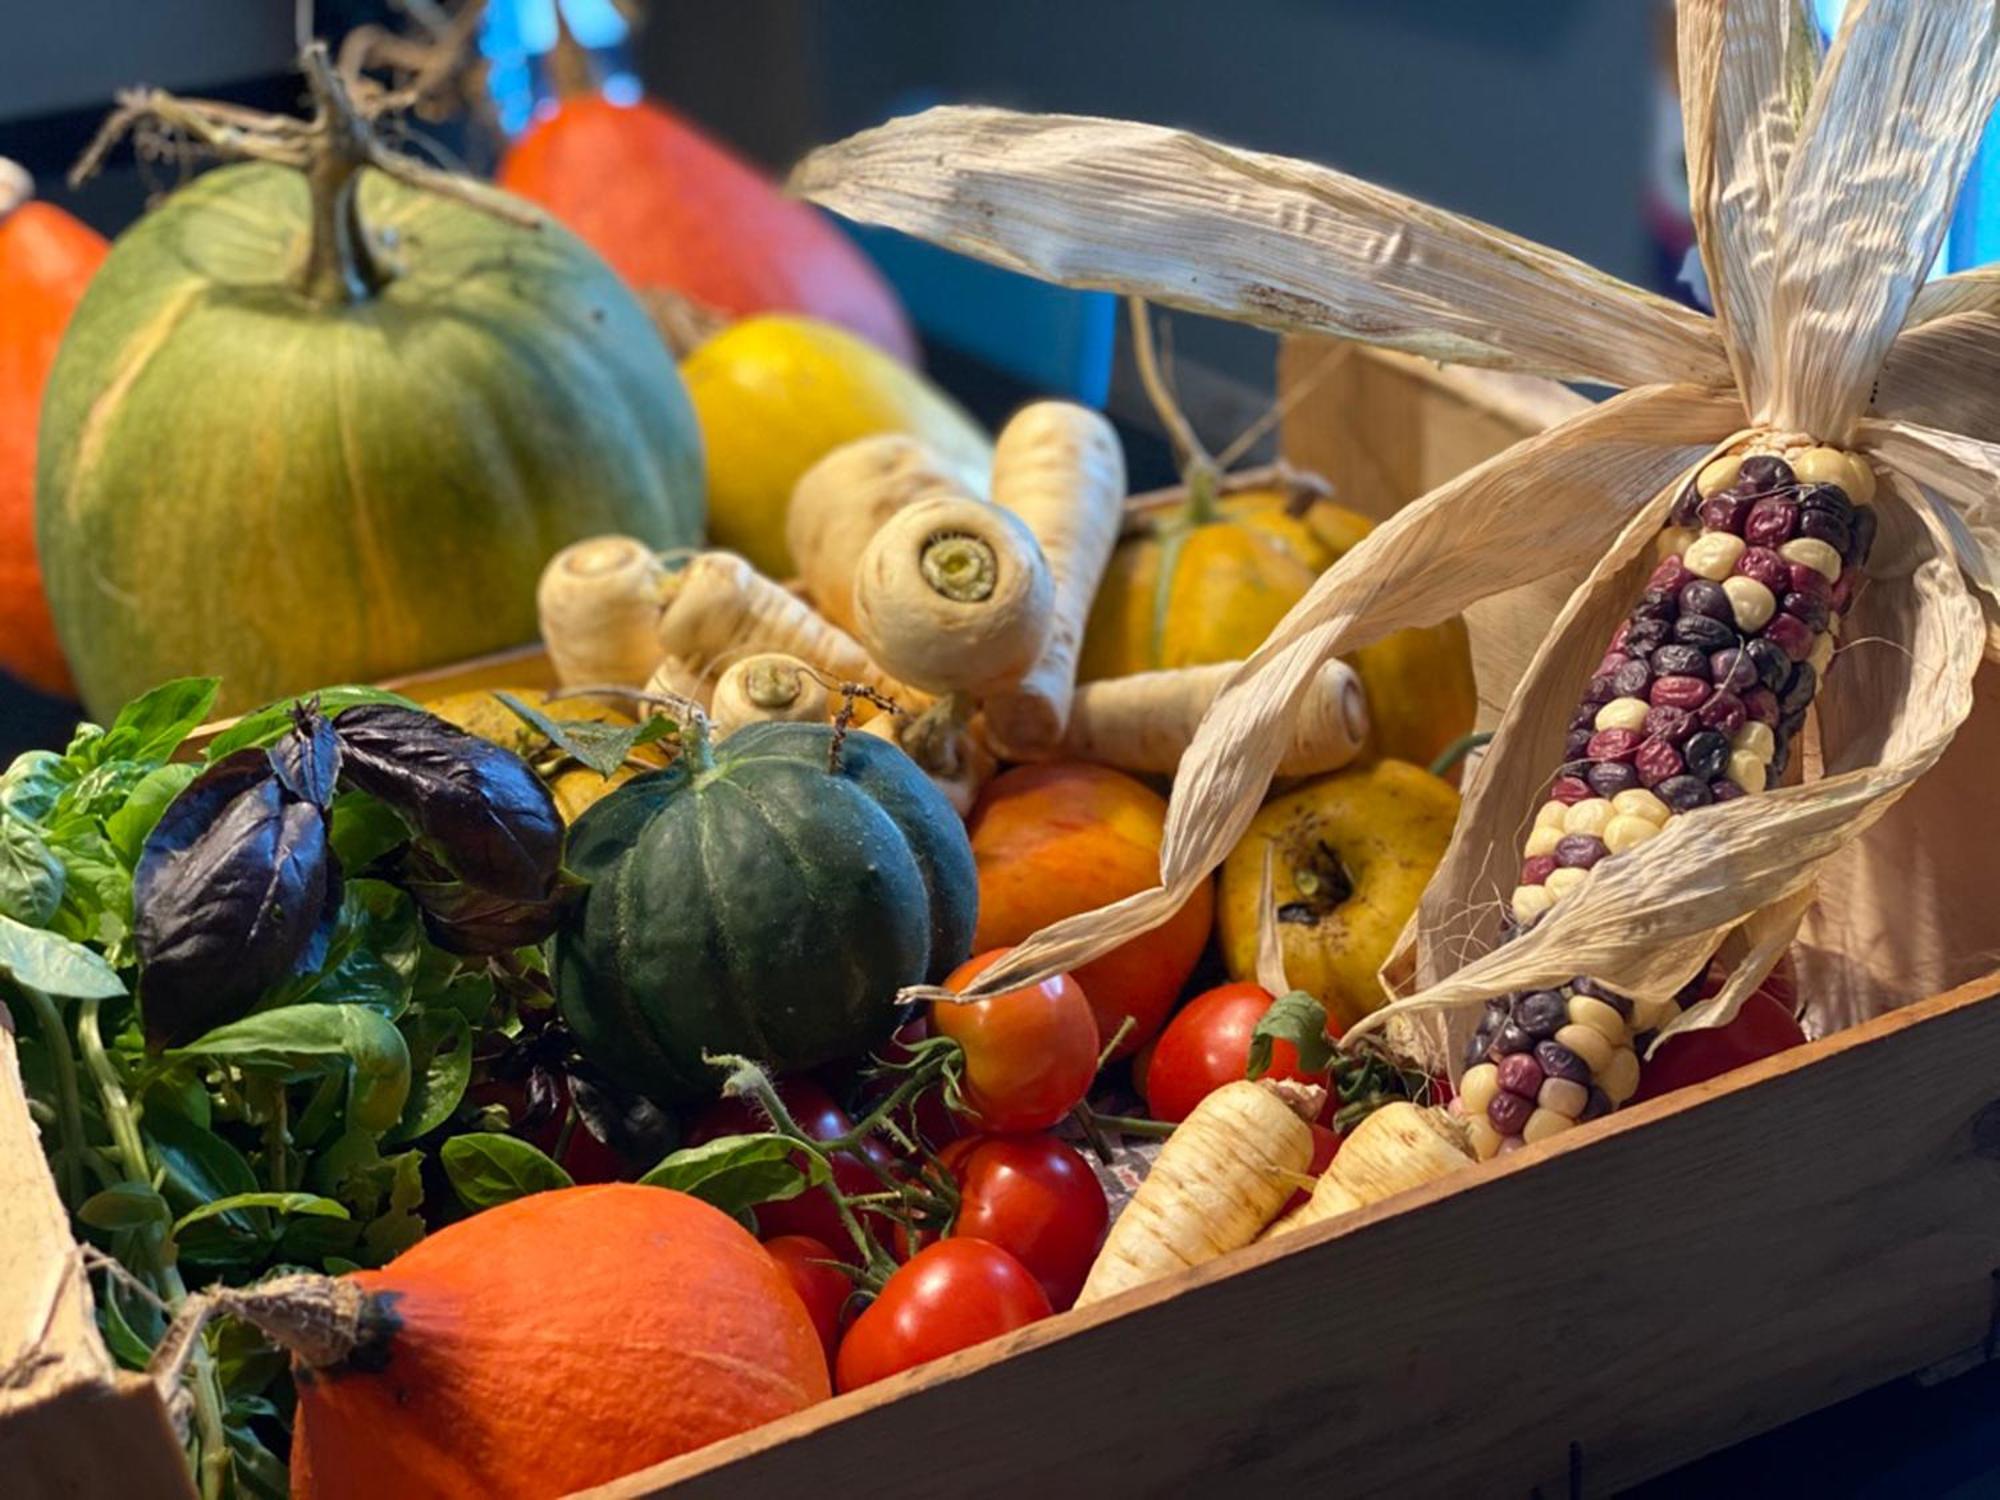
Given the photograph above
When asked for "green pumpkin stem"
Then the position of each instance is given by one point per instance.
(342, 263)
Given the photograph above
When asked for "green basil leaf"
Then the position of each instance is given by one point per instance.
(365, 829)
(255, 1472)
(129, 825)
(31, 877)
(270, 722)
(486, 1170)
(152, 726)
(283, 1203)
(600, 746)
(399, 1225)
(97, 889)
(199, 1166)
(1297, 1018)
(54, 964)
(372, 959)
(124, 1205)
(738, 1172)
(127, 1345)
(31, 786)
(440, 1065)
(303, 1038)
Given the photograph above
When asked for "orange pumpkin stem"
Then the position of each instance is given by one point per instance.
(321, 1321)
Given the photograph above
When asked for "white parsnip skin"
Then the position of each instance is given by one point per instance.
(1146, 721)
(1398, 1147)
(766, 687)
(1057, 466)
(599, 602)
(1226, 1169)
(952, 595)
(717, 605)
(947, 750)
(843, 500)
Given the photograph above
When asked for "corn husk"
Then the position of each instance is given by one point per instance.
(1821, 193)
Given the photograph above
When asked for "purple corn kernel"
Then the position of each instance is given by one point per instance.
(1781, 757)
(1771, 523)
(1725, 510)
(1761, 704)
(1706, 754)
(1840, 595)
(1790, 634)
(1610, 662)
(1829, 500)
(1766, 567)
(1583, 984)
(1608, 778)
(1676, 660)
(1537, 868)
(1724, 713)
(1725, 790)
(1670, 724)
(1584, 717)
(1702, 596)
(1732, 670)
(1579, 851)
(1655, 761)
(1774, 663)
(1578, 741)
(1671, 576)
(1495, 1015)
(1559, 1062)
(1679, 692)
(1798, 693)
(1642, 636)
(1686, 503)
(1811, 610)
(1862, 540)
(1508, 1040)
(1578, 767)
(1598, 1104)
(1631, 678)
(1823, 526)
(1475, 1050)
(1541, 1013)
(1614, 744)
(1521, 1074)
(1657, 604)
(1683, 793)
(1570, 790)
(1600, 690)
(1618, 636)
(1709, 634)
(1507, 1112)
(1763, 473)
(1808, 580)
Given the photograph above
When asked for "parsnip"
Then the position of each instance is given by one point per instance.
(1146, 721)
(674, 678)
(599, 601)
(1059, 468)
(952, 595)
(843, 500)
(1226, 1169)
(1398, 1147)
(716, 604)
(946, 746)
(768, 686)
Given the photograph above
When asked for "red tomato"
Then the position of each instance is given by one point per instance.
(1206, 1045)
(1763, 1026)
(1035, 1198)
(1326, 1145)
(584, 1157)
(956, 1293)
(811, 1213)
(1029, 1054)
(823, 1289)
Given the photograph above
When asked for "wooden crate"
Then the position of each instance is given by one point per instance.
(1587, 1313)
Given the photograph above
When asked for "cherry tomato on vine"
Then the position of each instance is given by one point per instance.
(928, 1119)
(1037, 1199)
(1207, 1044)
(1030, 1054)
(822, 1288)
(812, 1213)
(1763, 1026)
(952, 1295)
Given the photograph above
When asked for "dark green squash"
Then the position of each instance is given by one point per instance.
(748, 900)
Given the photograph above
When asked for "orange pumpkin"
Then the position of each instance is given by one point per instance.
(1054, 840)
(46, 260)
(674, 210)
(546, 1345)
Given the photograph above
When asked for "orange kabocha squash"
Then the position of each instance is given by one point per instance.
(674, 210)
(546, 1345)
(46, 260)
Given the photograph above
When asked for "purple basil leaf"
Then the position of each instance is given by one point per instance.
(485, 810)
(231, 889)
(307, 759)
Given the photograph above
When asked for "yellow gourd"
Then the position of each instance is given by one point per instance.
(775, 394)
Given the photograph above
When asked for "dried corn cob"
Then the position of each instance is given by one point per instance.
(1696, 702)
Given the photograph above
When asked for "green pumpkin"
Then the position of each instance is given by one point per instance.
(291, 480)
(760, 905)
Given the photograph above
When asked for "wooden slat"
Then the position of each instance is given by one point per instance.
(1596, 1309)
(92, 1441)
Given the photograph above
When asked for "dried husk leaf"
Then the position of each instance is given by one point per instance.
(1185, 222)
(1946, 374)
(1892, 125)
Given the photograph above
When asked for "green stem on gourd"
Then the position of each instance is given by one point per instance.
(69, 1101)
(572, 73)
(341, 263)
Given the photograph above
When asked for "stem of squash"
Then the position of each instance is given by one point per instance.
(341, 265)
(572, 74)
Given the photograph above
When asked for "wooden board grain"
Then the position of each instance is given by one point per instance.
(1591, 1312)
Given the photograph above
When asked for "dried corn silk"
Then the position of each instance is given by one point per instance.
(1820, 203)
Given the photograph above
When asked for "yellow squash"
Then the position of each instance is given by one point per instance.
(1352, 852)
(775, 394)
(573, 785)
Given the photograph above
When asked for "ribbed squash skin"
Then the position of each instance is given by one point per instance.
(763, 907)
(236, 479)
(555, 1342)
(46, 260)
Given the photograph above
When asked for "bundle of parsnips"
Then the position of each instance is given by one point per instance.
(1821, 190)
